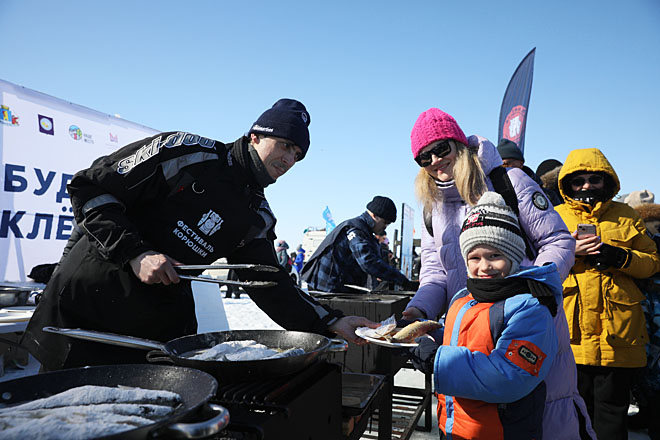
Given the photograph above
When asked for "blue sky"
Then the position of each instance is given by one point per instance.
(364, 69)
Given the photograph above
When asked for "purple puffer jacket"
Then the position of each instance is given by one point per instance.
(443, 274)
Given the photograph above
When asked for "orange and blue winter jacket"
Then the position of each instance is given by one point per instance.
(490, 369)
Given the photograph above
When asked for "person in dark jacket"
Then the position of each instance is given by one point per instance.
(350, 253)
(512, 157)
(384, 245)
(548, 173)
(282, 255)
(232, 289)
(646, 388)
(170, 199)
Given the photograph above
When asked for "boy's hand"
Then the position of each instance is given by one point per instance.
(423, 356)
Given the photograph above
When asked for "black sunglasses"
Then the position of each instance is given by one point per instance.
(440, 150)
(593, 180)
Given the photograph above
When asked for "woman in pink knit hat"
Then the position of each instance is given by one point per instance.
(454, 173)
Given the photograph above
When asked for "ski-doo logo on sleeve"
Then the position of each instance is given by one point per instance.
(526, 355)
(210, 222)
(151, 149)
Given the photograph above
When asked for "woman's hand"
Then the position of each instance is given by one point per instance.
(152, 268)
(413, 313)
(586, 246)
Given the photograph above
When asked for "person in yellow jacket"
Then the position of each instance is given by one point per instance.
(601, 299)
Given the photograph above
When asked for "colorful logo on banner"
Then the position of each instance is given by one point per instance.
(75, 132)
(46, 125)
(114, 138)
(7, 117)
(514, 124)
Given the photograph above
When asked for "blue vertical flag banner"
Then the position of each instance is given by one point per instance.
(329, 222)
(513, 113)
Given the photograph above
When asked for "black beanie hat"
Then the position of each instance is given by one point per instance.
(547, 165)
(287, 119)
(383, 208)
(509, 150)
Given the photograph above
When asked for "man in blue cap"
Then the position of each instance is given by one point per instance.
(174, 198)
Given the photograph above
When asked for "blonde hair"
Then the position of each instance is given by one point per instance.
(469, 178)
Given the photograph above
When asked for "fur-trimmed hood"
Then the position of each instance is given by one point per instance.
(648, 211)
(550, 179)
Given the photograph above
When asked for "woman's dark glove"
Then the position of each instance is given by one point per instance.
(423, 356)
(410, 286)
(609, 256)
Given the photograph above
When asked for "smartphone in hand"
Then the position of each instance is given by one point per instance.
(585, 230)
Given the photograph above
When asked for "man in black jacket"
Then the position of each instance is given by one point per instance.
(174, 198)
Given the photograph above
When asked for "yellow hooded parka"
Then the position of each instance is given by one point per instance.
(603, 310)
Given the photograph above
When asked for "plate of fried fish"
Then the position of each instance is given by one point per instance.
(389, 335)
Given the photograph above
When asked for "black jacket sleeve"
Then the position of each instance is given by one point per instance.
(286, 304)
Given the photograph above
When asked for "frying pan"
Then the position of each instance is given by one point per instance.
(225, 371)
(195, 388)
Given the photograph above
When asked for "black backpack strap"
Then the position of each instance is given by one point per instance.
(428, 221)
(502, 185)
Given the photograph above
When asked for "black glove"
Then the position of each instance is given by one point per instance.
(610, 256)
(410, 285)
(423, 356)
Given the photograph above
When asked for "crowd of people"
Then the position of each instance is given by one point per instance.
(545, 283)
(596, 247)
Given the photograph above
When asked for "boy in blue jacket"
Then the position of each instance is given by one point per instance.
(499, 338)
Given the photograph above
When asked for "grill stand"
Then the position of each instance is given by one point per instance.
(407, 404)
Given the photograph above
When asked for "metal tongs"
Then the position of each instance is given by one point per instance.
(255, 267)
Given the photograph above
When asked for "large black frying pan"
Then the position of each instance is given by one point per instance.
(195, 388)
(225, 371)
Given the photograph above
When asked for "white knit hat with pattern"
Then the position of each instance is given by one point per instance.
(493, 223)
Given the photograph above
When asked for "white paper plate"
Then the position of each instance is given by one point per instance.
(385, 343)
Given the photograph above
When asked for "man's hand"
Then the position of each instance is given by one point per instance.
(412, 314)
(586, 246)
(152, 268)
(345, 327)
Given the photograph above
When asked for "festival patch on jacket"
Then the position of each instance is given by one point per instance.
(526, 355)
